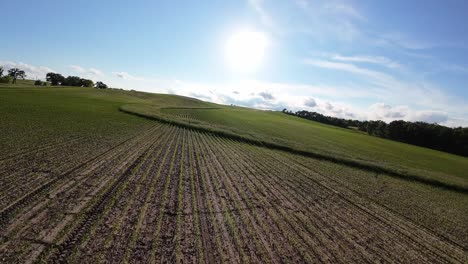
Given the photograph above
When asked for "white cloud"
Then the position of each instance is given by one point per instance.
(456, 122)
(429, 117)
(347, 67)
(385, 112)
(32, 72)
(325, 20)
(125, 75)
(95, 71)
(379, 60)
(388, 113)
(310, 102)
(267, 96)
(386, 87)
(91, 73)
(200, 96)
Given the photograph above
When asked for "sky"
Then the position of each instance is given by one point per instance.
(367, 60)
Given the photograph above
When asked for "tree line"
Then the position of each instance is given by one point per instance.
(434, 136)
(53, 78)
(58, 79)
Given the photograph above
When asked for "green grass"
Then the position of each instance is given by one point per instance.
(31, 116)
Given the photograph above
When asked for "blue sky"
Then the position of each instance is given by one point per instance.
(355, 59)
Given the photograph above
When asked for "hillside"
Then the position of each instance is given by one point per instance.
(92, 175)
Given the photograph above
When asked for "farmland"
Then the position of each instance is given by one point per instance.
(82, 181)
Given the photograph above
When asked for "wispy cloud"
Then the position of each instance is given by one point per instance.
(379, 60)
(86, 72)
(387, 87)
(267, 96)
(382, 111)
(126, 76)
(351, 68)
(32, 72)
(325, 19)
(95, 71)
(344, 9)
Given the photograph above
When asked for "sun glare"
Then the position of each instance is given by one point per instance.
(245, 51)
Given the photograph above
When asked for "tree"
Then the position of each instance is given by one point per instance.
(86, 83)
(100, 85)
(72, 81)
(1, 71)
(396, 130)
(5, 79)
(16, 73)
(55, 78)
(38, 82)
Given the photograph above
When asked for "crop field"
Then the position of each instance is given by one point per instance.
(97, 185)
(171, 194)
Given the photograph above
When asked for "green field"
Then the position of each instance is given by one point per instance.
(83, 181)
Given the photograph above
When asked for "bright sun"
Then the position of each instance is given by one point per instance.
(245, 50)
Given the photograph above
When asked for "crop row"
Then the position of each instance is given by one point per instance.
(22, 174)
(44, 214)
(308, 183)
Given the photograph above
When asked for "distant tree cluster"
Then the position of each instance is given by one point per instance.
(101, 85)
(55, 79)
(340, 122)
(58, 79)
(40, 83)
(434, 136)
